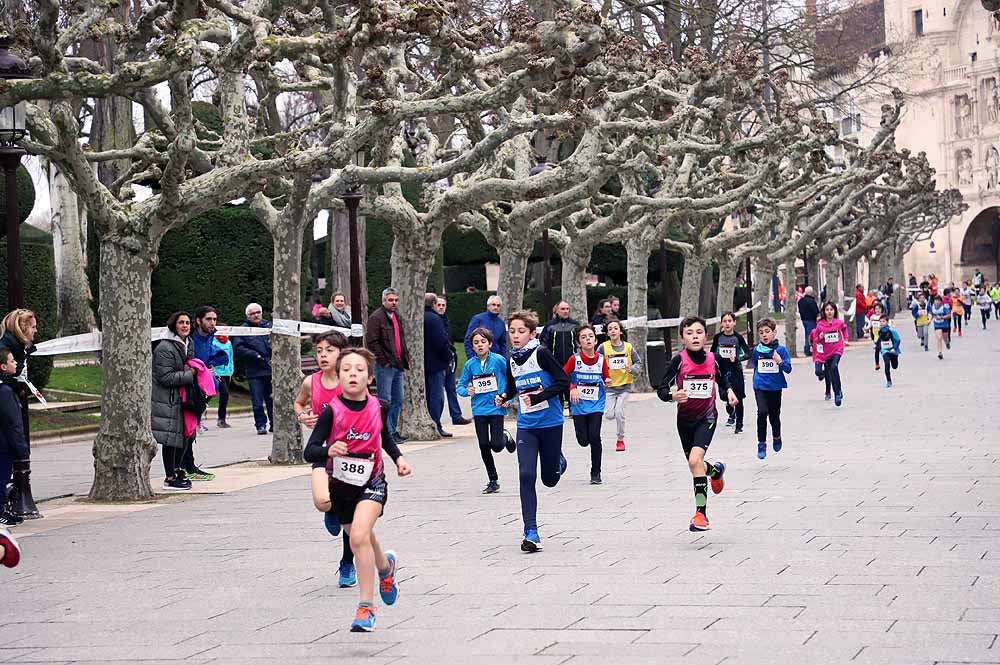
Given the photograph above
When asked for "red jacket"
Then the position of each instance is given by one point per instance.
(862, 302)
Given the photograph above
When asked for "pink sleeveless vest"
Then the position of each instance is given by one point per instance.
(362, 430)
(320, 396)
(697, 409)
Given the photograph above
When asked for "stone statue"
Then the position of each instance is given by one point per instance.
(992, 100)
(963, 116)
(964, 167)
(992, 164)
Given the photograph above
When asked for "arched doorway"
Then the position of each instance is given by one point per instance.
(981, 245)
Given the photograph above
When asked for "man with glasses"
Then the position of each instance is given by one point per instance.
(255, 351)
(491, 320)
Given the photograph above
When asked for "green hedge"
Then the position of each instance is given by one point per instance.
(38, 265)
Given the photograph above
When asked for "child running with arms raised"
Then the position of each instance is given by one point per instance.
(349, 478)
(690, 382)
(731, 350)
(770, 364)
(588, 378)
(539, 380)
(318, 390)
(483, 378)
(624, 365)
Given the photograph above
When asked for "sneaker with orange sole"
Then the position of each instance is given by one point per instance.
(719, 484)
(620, 446)
(699, 522)
(364, 619)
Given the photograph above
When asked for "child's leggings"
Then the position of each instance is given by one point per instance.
(768, 409)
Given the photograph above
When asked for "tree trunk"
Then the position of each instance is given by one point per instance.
(727, 286)
(340, 260)
(575, 259)
(791, 322)
(412, 261)
(513, 266)
(874, 270)
(286, 357)
(762, 287)
(638, 287)
(833, 292)
(124, 446)
(707, 292)
(69, 239)
(691, 284)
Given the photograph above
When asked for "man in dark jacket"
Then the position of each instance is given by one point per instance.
(808, 312)
(491, 320)
(454, 408)
(385, 338)
(437, 357)
(557, 335)
(206, 318)
(255, 351)
(13, 444)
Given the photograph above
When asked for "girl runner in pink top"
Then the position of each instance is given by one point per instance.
(827, 340)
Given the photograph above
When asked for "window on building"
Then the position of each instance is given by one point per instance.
(973, 56)
(918, 22)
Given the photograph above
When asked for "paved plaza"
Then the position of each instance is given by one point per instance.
(872, 537)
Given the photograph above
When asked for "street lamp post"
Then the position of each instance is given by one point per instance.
(12, 130)
(352, 199)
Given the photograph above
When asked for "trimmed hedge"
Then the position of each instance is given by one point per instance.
(38, 265)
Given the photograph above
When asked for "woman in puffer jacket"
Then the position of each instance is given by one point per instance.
(170, 372)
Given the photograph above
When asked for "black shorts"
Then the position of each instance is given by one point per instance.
(696, 435)
(345, 498)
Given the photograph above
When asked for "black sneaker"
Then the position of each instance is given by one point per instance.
(461, 421)
(176, 484)
(445, 435)
(399, 438)
(511, 443)
(261, 431)
(492, 487)
(738, 430)
(731, 421)
(9, 519)
(222, 424)
(595, 479)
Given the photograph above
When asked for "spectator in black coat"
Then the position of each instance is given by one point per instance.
(255, 352)
(13, 444)
(808, 312)
(437, 356)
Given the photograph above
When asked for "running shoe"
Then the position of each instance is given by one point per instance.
(176, 484)
(878, 367)
(532, 542)
(927, 348)
(562, 464)
(222, 424)
(364, 620)
(940, 356)
(959, 333)
(387, 583)
(719, 483)
(595, 479)
(947, 345)
(776, 445)
(838, 399)
(10, 519)
(730, 421)
(204, 428)
(261, 431)
(511, 444)
(699, 522)
(619, 446)
(492, 487)
(331, 523)
(888, 384)
(761, 450)
(827, 397)
(348, 576)
(738, 430)
(199, 474)
(11, 550)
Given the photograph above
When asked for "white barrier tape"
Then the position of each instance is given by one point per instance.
(644, 322)
(92, 341)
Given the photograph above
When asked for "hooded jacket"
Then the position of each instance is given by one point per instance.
(170, 372)
(822, 349)
(557, 337)
(482, 402)
(13, 443)
(775, 381)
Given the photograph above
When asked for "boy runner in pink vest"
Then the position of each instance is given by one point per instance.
(690, 382)
(347, 445)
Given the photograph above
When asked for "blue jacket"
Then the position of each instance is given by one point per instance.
(206, 351)
(495, 325)
(889, 334)
(482, 403)
(437, 345)
(226, 368)
(255, 352)
(770, 381)
(13, 445)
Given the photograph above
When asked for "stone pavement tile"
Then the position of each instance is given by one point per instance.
(871, 655)
(617, 653)
(10, 653)
(922, 643)
(981, 614)
(116, 653)
(359, 648)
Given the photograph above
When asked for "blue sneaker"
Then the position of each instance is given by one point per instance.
(827, 397)
(761, 450)
(348, 576)
(331, 523)
(387, 583)
(838, 399)
(532, 542)
(888, 384)
(364, 620)
(562, 464)
(776, 445)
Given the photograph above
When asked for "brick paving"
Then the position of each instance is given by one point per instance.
(873, 537)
